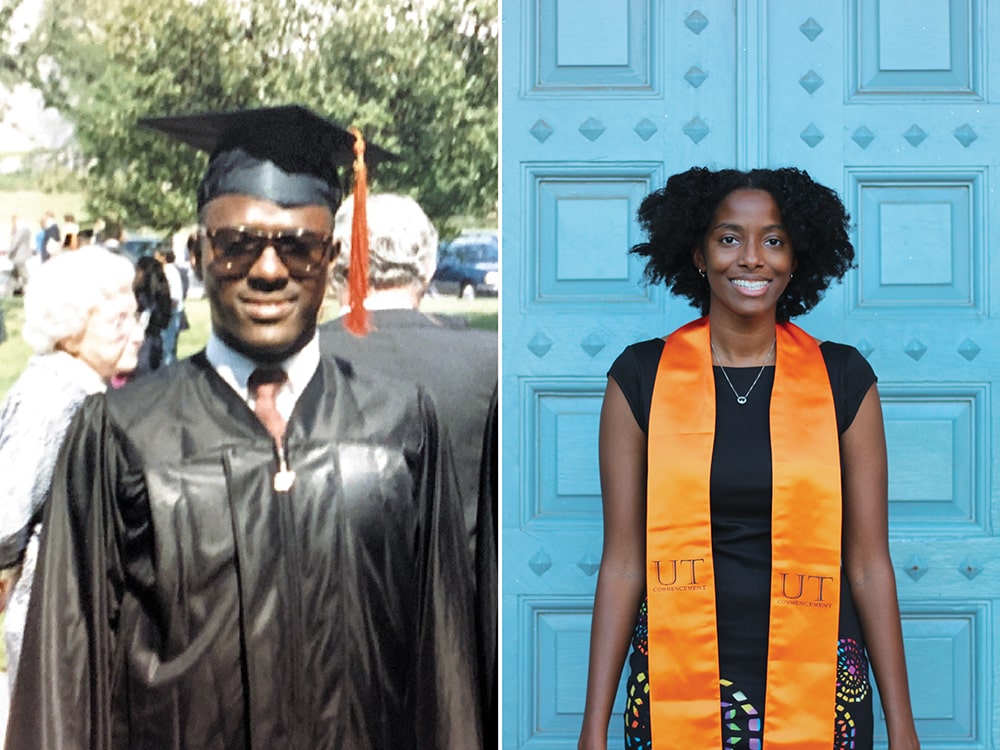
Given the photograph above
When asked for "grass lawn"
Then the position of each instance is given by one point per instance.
(14, 353)
(31, 204)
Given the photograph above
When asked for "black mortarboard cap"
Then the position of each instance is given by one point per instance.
(288, 155)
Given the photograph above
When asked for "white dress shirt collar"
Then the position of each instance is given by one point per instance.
(235, 368)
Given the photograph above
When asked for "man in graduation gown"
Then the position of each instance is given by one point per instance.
(455, 363)
(257, 547)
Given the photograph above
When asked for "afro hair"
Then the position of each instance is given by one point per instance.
(677, 217)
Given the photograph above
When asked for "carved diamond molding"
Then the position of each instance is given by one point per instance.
(696, 22)
(970, 568)
(812, 135)
(915, 349)
(592, 129)
(811, 29)
(863, 137)
(540, 344)
(540, 562)
(969, 349)
(811, 81)
(915, 135)
(593, 344)
(645, 129)
(965, 135)
(589, 564)
(695, 76)
(916, 567)
(696, 130)
(541, 130)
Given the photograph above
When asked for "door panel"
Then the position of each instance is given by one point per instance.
(890, 102)
(593, 96)
(887, 103)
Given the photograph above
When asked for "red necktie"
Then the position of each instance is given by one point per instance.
(264, 384)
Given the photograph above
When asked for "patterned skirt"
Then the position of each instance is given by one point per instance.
(742, 708)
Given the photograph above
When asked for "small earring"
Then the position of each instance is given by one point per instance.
(791, 276)
(702, 272)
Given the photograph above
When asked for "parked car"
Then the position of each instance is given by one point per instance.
(469, 266)
(136, 247)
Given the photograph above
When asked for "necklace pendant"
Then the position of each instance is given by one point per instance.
(741, 399)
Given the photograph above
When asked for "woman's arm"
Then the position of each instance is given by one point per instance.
(621, 581)
(33, 424)
(869, 567)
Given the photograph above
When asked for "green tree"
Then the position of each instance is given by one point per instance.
(419, 78)
(11, 68)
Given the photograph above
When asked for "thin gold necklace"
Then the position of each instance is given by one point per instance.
(742, 399)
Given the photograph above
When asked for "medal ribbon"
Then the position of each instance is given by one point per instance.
(800, 706)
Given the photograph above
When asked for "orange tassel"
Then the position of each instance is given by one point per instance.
(357, 320)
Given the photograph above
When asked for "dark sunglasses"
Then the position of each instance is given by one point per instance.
(236, 249)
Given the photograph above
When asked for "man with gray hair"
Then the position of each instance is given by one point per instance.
(456, 365)
(21, 250)
(402, 253)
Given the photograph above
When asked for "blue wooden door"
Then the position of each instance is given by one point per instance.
(890, 102)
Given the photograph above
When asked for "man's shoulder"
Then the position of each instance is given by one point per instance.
(156, 395)
(366, 385)
(361, 404)
(411, 330)
(450, 363)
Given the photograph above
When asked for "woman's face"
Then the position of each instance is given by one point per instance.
(106, 334)
(129, 359)
(747, 256)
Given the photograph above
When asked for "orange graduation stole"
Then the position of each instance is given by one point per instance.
(800, 707)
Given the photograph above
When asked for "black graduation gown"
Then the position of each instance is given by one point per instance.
(486, 580)
(181, 603)
(458, 367)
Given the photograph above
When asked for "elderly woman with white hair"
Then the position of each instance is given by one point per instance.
(80, 320)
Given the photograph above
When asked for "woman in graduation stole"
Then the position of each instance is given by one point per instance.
(743, 472)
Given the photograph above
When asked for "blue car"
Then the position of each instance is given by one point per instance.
(136, 247)
(469, 266)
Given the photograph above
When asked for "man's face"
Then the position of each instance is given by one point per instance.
(269, 312)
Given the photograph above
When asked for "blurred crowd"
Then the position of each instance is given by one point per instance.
(31, 246)
(160, 284)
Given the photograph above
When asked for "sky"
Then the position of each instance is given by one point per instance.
(27, 124)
